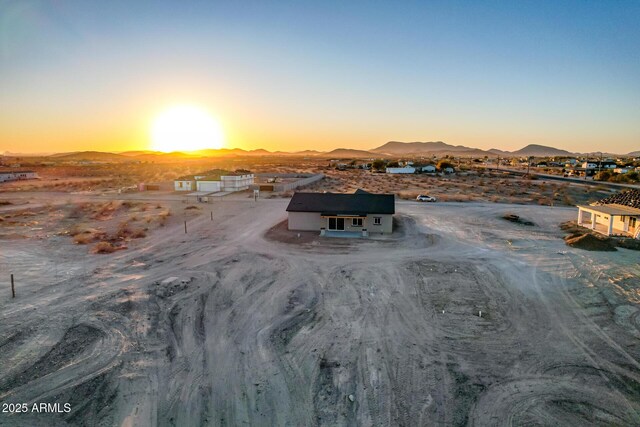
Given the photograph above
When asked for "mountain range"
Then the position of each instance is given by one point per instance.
(390, 149)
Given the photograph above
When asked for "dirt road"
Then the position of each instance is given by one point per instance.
(224, 326)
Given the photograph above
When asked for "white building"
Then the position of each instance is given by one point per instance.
(406, 169)
(236, 182)
(215, 181)
(616, 215)
(17, 176)
(429, 169)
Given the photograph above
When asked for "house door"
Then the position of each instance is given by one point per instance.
(336, 224)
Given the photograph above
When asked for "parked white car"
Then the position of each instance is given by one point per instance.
(424, 198)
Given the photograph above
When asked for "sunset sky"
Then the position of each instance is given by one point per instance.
(93, 75)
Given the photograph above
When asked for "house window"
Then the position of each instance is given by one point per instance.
(180, 184)
(377, 220)
(356, 222)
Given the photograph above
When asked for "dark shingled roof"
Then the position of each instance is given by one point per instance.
(359, 203)
(629, 198)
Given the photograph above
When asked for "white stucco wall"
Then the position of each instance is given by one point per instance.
(208, 186)
(401, 170)
(186, 185)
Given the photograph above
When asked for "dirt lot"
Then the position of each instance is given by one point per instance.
(231, 325)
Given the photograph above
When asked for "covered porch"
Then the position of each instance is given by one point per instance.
(347, 224)
(610, 220)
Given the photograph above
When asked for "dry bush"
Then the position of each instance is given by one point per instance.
(83, 238)
(191, 207)
(104, 248)
(138, 233)
(5, 202)
(123, 230)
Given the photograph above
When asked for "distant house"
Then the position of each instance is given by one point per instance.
(17, 175)
(448, 170)
(185, 183)
(616, 215)
(597, 164)
(428, 169)
(405, 169)
(357, 212)
(215, 181)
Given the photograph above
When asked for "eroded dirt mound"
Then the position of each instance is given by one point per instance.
(516, 219)
(629, 244)
(590, 242)
(576, 238)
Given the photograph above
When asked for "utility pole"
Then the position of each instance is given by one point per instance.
(529, 164)
(600, 162)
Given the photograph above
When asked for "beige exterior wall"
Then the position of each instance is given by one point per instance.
(305, 221)
(312, 221)
(386, 225)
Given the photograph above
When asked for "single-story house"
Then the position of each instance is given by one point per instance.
(357, 212)
(616, 215)
(17, 175)
(215, 180)
(428, 169)
(405, 169)
(448, 170)
(622, 170)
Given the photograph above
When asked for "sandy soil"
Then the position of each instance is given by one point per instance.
(231, 325)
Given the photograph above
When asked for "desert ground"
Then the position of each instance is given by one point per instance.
(239, 322)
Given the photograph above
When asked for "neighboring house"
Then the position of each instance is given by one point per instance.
(185, 183)
(405, 169)
(596, 164)
(616, 215)
(210, 184)
(215, 181)
(428, 169)
(237, 181)
(357, 212)
(17, 176)
(448, 170)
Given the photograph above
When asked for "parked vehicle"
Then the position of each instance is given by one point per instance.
(425, 198)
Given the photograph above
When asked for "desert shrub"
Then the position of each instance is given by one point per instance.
(138, 233)
(104, 248)
(123, 230)
(83, 238)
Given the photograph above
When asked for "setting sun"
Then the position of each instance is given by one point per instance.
(185, 128)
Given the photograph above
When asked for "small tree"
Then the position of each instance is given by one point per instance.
(378, 164)
(393, 165)
(603, 176)
(443, 164)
